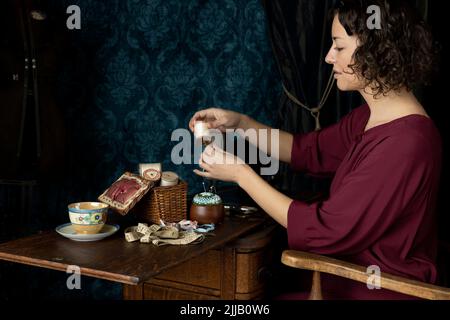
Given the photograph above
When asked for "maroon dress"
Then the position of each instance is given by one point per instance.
(381, 208)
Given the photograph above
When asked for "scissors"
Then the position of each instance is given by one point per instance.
(242, 211)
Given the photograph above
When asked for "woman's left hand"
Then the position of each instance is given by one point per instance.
(221, 165)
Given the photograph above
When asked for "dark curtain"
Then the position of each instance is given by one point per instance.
(299, 32)
(435, 99)
(32, 134)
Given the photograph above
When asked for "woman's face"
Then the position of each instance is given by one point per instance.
(341, 56)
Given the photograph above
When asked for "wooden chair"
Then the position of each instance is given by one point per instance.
(318, 264)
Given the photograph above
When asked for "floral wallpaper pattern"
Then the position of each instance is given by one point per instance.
(139, 69)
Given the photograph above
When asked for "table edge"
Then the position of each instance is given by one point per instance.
(63, 267)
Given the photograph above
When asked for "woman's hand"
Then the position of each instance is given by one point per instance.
(221, 165)
(217, 118)
(224, 166)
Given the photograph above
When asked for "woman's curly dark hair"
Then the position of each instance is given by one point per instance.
(401, 54)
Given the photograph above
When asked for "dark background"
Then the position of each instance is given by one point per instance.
(110, 95)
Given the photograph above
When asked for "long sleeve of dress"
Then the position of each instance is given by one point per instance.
(370, 201)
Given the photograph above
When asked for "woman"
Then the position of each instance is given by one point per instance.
(385, 156)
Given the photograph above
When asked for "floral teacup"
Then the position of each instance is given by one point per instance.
(88, 217)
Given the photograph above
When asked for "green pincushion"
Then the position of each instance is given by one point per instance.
(206, 199)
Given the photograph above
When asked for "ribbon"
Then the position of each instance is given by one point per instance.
(161, 235)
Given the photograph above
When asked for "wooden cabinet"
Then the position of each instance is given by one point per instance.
(237, 271)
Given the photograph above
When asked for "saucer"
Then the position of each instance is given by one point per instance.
(67, 231)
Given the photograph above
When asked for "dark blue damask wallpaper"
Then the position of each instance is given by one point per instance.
(139, 69)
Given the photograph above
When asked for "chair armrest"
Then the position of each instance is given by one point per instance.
(315, 262)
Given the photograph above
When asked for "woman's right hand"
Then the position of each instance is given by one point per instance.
(217, 118)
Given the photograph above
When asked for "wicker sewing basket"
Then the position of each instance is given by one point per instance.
(168, 204)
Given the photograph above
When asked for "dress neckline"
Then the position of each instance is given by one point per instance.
(389, 123)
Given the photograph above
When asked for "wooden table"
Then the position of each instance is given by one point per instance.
(114, 258)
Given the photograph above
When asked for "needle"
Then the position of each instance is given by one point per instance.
(203, 183)
(205, 142)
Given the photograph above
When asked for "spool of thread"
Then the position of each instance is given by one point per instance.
(168, 179)
(201, 129)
